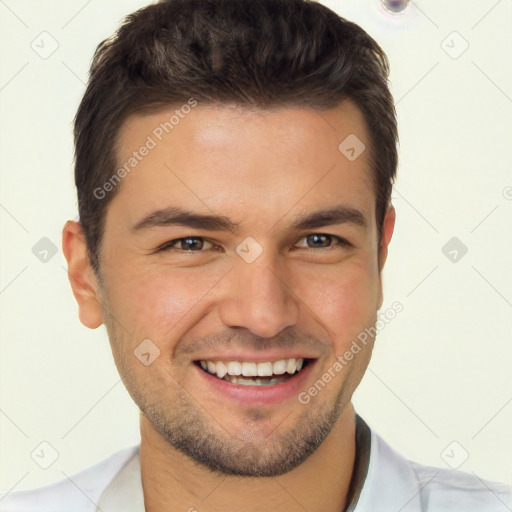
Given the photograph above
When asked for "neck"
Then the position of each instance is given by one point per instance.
(172, 481)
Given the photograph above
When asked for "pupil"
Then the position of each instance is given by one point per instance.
(319, 240)
(193, 243)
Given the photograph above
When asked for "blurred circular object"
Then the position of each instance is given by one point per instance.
(395, 6)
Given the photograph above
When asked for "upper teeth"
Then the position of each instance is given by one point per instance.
(263, 369)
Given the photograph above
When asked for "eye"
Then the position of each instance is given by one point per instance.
(321, 241)
(187, 244)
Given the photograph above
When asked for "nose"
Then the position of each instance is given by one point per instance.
(258, 298)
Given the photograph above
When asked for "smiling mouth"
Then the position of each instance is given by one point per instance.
(265, 373)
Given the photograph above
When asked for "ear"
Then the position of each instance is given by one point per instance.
(387, 232)
(82, 278)
(388, 227)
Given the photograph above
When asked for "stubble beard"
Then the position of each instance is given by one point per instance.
(190, 429)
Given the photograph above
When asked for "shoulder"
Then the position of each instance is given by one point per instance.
(395, 483)
(79, 492)
(458, 490)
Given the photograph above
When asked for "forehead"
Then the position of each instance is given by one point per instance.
(237, 162)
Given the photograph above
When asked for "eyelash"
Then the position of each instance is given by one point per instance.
(169, 246)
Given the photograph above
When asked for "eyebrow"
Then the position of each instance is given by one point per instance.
(174, 216)
(330, 217)
(181, 217)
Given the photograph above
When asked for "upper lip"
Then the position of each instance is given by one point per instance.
(256, 356)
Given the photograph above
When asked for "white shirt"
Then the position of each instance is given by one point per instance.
(392, 484)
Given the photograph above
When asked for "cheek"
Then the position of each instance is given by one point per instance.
(154, 299)
(345, 299)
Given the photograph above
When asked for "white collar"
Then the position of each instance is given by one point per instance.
(124, 492)
(391, 484)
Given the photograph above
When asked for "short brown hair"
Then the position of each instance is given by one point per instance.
(258, 53)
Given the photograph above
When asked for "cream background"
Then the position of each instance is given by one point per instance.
(441, 369)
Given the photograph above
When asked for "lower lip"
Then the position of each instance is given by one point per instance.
(266, 394)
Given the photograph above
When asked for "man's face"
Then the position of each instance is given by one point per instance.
(288, 271)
